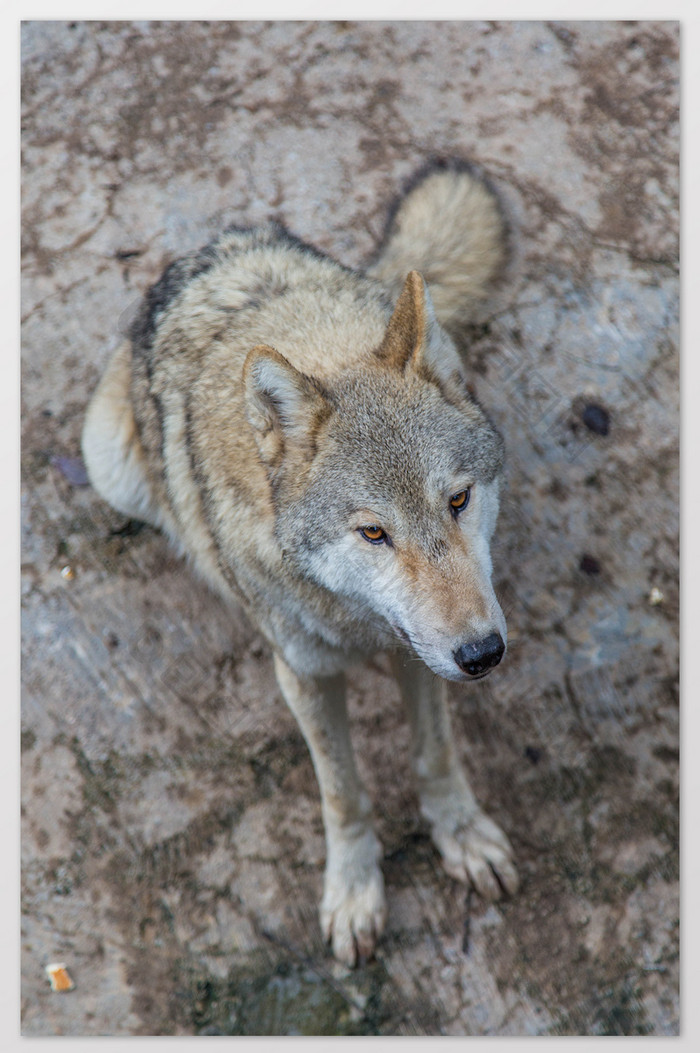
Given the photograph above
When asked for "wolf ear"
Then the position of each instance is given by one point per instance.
(414, 339)
(282, 404)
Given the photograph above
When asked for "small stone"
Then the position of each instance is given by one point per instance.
(596, 418)
(67, 573)
(656, 596)
(589, 564)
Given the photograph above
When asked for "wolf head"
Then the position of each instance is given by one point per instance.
(385, 486)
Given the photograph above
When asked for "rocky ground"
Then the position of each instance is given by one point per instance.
(172, 837)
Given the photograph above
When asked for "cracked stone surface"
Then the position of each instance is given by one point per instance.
(172, 837)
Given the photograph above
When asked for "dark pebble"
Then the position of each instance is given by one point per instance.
(533, 754)
(589, 565)
(596, 419)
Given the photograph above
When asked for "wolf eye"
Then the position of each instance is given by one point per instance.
(374, 534)
(459, 501)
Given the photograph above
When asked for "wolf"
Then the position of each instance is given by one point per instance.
(304, 433)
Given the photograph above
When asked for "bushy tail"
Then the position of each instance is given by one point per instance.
(448, 227)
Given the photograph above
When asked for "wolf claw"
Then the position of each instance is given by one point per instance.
(477, 852)
(353, 913)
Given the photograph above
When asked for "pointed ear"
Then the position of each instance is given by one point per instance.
(407, 325)
(414, 339)
(283, 406)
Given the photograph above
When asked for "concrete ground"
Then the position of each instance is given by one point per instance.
(172, 838)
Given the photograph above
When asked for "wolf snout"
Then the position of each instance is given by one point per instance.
(478, 657)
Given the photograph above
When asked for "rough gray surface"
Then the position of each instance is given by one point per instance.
(172, 836)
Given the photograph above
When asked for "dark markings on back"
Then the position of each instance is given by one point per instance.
(233, 240)
(201, 482)
(206, 501)
(161, 295)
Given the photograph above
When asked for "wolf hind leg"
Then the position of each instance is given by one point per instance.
(353, 909)
(473, 848)
(112, 452)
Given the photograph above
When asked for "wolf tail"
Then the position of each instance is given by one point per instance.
(449, 227)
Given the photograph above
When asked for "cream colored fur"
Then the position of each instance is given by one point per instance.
(450, 229)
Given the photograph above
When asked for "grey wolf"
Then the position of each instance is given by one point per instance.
(305, 435)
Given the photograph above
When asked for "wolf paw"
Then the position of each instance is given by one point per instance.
(353, 910)
(475, 850)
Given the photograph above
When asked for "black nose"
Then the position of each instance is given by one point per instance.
(477, 658)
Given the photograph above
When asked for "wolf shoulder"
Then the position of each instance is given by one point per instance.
(258, 286)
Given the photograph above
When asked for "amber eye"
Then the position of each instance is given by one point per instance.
(374, 534)
(458, 502)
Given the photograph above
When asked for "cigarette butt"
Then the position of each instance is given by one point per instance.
(58, 975)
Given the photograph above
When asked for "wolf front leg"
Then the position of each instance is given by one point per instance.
(353, 909)
(474, 849)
